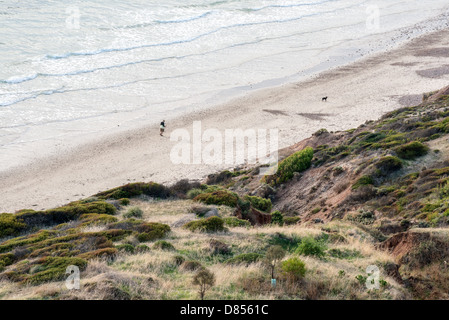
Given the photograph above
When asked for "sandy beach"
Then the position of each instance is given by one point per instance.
(356, 93)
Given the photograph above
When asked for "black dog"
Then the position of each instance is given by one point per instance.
(324, 99)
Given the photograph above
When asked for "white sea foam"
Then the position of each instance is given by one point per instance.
(138, 60)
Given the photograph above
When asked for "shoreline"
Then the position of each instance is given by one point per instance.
(361, 91)
(24, 144)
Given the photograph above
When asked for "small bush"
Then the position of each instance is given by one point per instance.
(90, 219)
(53, 269)
(99, 253)
(345, 254)
(163, 245)
(277, 218)
(10, 225)
(182, 187)
(273, 256)
(412, 150)
(212, 224)
(363, 181)
(260, 203)
(205, 280)
(426, 253)
(389, 164)
(147, 231)
(297, 162)
(134, 212)
(125, 248)
(220, 197)
(141, 248)
(338, 170)
(235, 222)
(293, 269)
(288, 221)
(254, 283)
(218, 247)
(320, 132)
(245, 258)
(135, 189)
(67, 213)
(364, 217)
(311, 247)
(124, 201)
(194, 192)
(363, 193)
(286, 242)
(178, 260)
(221, 177)
(191, 265)
(6, 259)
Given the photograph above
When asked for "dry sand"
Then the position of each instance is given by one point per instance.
(361, 91)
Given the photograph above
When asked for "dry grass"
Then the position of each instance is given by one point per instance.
(155, 275)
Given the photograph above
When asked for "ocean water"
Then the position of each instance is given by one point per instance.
(71, 71)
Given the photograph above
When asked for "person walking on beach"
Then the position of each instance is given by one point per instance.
(162, 127)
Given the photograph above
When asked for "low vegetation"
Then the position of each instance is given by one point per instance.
(343, 201)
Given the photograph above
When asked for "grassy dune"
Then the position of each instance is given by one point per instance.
(375, 195)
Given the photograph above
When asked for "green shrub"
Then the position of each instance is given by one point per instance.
(89, 219)
(389, 164)
(363, 181)
(72, 211)
(260, 203)
(212, 224)
(277, 218)
(113, 235)
(364, 217)
(150, 236)
(147, 231)
(134, 212)
(293, 269)
(53, 269)
(412, 150)
(25, 240)
(286, 242)
(126, 248)
(220, 197)
(205, 280)
(163, 245)
(297, 162)
(124, 201)
(135, 189)
(311, 247)
(99, 253)
(178, 260)
(235, 222)
(10, 225)
(141, 248)
(182, 187)
(245, 258)
(217, 178)
(191, 265)
(288, 221)
(194, 192)
(273, 255)
(6, 259)
(345, 254)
